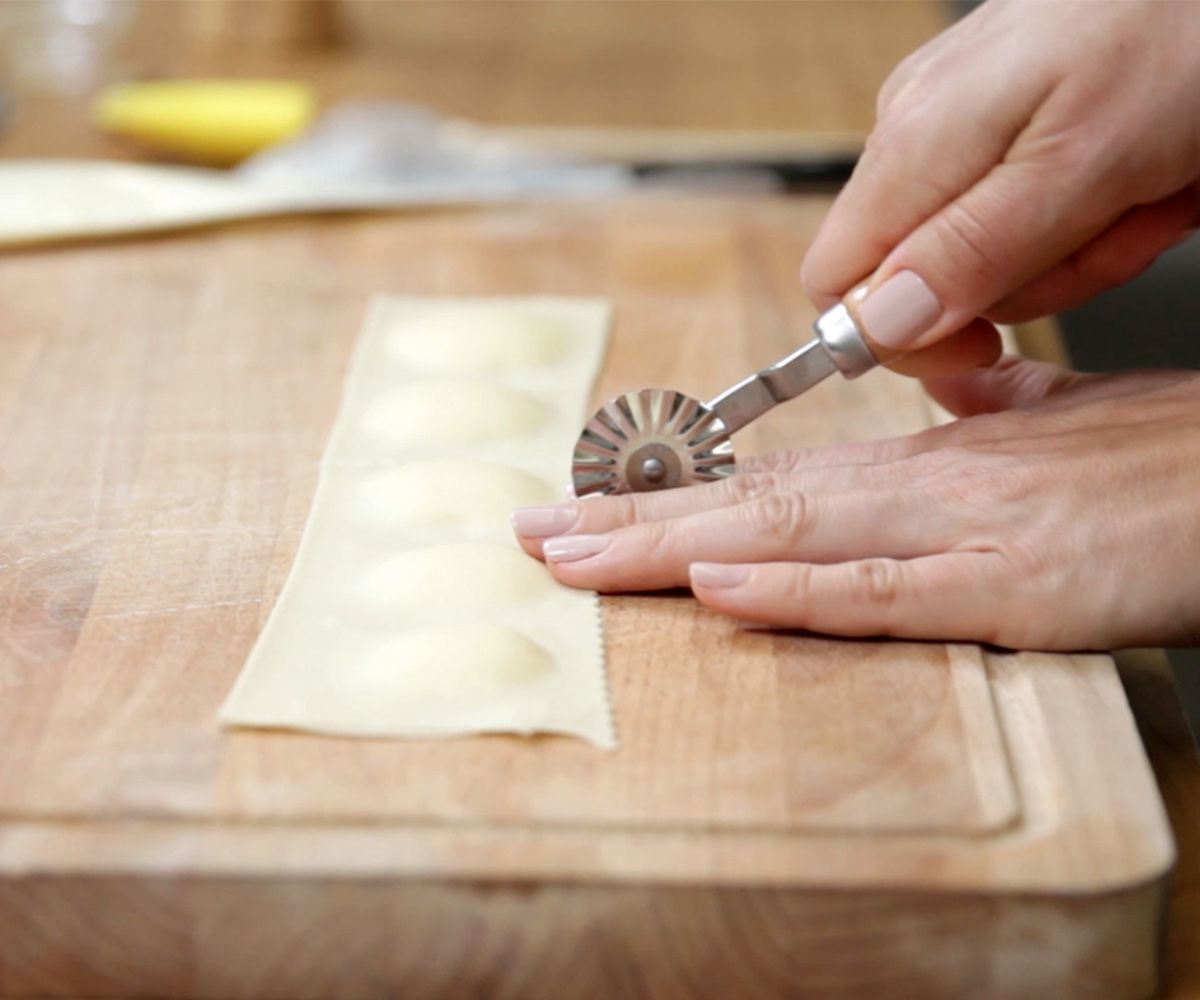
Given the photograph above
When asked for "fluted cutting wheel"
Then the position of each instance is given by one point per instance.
(654, 439)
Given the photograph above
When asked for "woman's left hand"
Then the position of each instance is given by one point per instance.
(1061, 512)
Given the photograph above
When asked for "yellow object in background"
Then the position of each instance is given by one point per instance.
(216, 122)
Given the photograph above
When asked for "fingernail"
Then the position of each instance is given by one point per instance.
(569, 548)
(542, 522)
(718, 575)
(900, 310)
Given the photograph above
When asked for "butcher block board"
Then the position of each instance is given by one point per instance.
(787, 815)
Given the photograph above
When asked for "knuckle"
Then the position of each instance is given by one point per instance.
(902, 95)
(975, 485)
(798, 592)
(1107, 158)
(785, 516)
(654, 541)
(753, 486)
(967, 239)
(888, 91)
(602, 513)
(1014, 621)
(981, 483)
(901, 131)
(1094, 146)
(1072, 153)
(625, 509)
(879, 582)
(910, 83)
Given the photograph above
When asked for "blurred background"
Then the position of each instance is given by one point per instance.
(739, 65)
(777, 94)
(784, 85)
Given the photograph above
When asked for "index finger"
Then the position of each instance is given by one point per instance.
(925, 151)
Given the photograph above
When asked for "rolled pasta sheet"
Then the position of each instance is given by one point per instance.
(409, 610)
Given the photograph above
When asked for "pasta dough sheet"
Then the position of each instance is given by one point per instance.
(49, 200)
(410, 610)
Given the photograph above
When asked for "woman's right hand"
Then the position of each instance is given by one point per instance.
(1023, 161)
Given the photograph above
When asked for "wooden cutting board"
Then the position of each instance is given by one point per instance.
(787, 815)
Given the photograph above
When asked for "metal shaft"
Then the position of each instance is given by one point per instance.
(838, 346)
(750, 398)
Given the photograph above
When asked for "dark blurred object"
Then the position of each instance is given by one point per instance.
(1150, 322)
(398, 141)
(815, 173)
(1185, 668)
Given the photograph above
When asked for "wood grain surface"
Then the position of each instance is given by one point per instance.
(787, 815)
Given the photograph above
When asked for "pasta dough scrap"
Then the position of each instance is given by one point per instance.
(478, 340)
(446, 412)
(410, 610)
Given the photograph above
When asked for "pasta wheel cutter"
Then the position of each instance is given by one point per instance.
(657, 439)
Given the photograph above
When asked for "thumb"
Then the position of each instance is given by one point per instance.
(1012, 383)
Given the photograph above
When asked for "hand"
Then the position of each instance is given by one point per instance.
(1023, 161)
(1063, 512)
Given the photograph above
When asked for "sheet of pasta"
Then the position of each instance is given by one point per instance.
(410, 611)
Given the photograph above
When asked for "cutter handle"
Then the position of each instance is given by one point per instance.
(838, 346)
